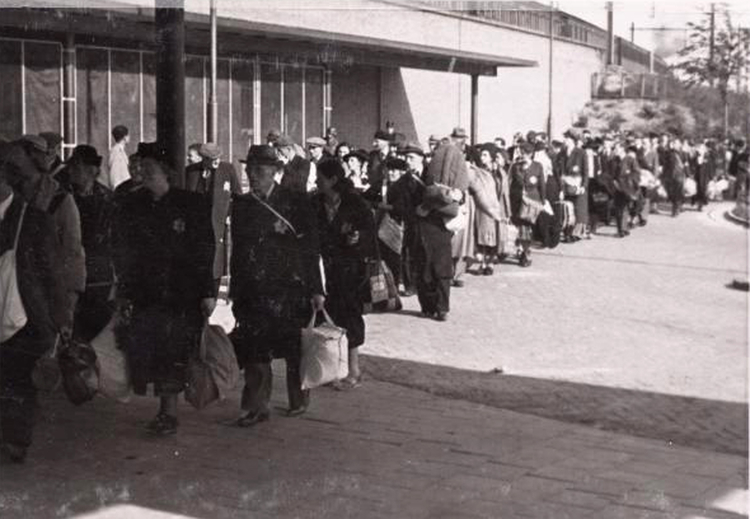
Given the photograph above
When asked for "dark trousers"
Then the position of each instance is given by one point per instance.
(256, 395)
(17, 395)
(434, 296)
(93, 312)
(621, 207)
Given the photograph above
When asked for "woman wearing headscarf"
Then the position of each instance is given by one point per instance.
(347, 241)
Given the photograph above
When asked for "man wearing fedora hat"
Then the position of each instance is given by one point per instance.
(275, 283)
(216, 180)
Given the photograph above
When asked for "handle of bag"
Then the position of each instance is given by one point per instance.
(327, 317)
(276, 213)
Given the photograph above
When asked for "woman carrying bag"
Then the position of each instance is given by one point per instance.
(347, 241)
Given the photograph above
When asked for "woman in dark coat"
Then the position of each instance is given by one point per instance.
(347, 241)
(166, 285)
(673, 176)
(527, 182)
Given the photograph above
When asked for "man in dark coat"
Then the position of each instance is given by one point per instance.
(376, 169)
(165, 284)
(45, 302)
(297, 169)
(275, 278)
(216, 180)
(94, 202)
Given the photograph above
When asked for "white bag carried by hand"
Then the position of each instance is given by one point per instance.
(689, 188)
(13, 313)
(111, 363)
(325, 353)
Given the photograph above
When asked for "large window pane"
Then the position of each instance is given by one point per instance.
(91, 100)
(293, 102)
(313, 102)
(270, 98)
(42, 87)
(149, 97)
(242, 110)
(10, 90)
(195, 101)
(126, 94)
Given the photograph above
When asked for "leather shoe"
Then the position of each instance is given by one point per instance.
(251, 419)
(441, 316)
(458, 283)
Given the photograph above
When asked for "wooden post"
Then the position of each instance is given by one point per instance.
(474, 108)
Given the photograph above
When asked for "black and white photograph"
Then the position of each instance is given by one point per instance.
(374, 259)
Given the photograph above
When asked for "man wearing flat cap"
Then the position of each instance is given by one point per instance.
(216, 180)
(275, 283)
(95, 205)
(298, 173)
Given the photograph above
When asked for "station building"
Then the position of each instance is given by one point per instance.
(300, 66)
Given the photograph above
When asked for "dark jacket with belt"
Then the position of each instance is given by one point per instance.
(296, 173)
(275, 272)
(217, 186)
(41, 278)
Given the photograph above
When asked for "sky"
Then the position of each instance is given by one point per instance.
(652, 14)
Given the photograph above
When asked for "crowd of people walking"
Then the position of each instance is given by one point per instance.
(299, 231)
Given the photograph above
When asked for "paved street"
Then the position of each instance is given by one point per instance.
(636, 348)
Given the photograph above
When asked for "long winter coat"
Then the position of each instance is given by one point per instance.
(274, 272)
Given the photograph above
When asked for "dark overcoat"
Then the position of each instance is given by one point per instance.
(218, 186)
(274, 272)
(166, 269)
(296, 173)
(345, 264)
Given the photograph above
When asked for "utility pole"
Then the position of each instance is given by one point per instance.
(213, 104)
(610, 34)
(711, 40)
(549, 72)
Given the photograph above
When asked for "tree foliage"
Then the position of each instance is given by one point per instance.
(731, 54)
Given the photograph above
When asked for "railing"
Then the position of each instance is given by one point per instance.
(620, 84)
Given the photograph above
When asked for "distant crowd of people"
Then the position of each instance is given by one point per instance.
(298, 231)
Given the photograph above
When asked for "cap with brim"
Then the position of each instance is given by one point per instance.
(395, 163)
(36, 141)
(359, 154)
(383, 135)
(434, 138)
(412, 147)
(210, 151)
(316, 142)
(261, 155)
(459, 133)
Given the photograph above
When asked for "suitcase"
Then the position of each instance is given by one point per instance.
(566, 215)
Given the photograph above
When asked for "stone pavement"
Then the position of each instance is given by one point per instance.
(380, 451)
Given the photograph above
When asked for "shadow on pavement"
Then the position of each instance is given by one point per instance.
(692, 422)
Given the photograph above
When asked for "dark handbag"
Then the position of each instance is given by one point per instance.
(79, 372)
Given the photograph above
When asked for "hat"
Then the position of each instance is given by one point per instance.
(433, 139)
(527, 148)
(209, 150)
(331, 131)
(35, 141)
(273, 135)
(383, 135)
(459, 133)
(261, 155)
(85, 154)
(284, 140)
(395, 163)
(412, 147)
(530, 135)
(316, 142)
(52, 139)
(359, 154)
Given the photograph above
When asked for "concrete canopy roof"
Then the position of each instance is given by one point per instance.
(107, 19)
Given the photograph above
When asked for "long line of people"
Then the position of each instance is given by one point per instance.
(298, 231)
